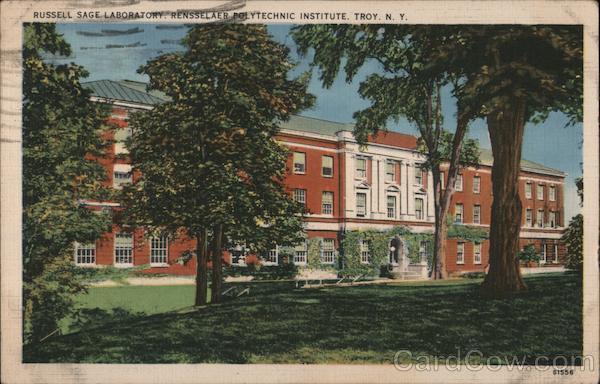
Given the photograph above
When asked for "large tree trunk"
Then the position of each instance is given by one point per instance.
(217, 268)
(506, 135)
(438, 261)
(202, 268)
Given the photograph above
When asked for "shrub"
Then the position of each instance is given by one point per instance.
(529, 254)
(573, 238)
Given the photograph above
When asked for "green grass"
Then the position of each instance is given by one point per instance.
(358, 324)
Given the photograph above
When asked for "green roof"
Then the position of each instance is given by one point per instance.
(486, 158)
(313, 125)
(125, 90)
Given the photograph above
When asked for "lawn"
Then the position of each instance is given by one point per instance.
(360, 324)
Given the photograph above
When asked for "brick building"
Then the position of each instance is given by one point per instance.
(344, 188)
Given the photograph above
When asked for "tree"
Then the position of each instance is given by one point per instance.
(61, 134)
(573, 235)
(404, 89)
(208, 164)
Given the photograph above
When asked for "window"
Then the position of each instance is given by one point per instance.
(418, 175)
(327, 251)
(529, 217)
(390, 171)
(391, 207)
(123, 248)
(300, 252)
(540, 218)
(419, 209)
(458, 214)
(552, 193)
(300, 195)
(460, 253)
(299, 162)
(238, 255)
(85, 253)
(552, 219)
(121, 175)
(327, 166)
(477, 214)
(540, 192)
(476, 184)
(159, 250)
(361, 167)
(423, 251)
(543, 259)
(458, 184)
(121, 136)
(361, 204)
(327, 203)
(556, 253)
(272, 256)
(528, 190)
(477, 253)
(365, 253)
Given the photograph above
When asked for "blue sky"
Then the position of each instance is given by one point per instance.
(549, 143)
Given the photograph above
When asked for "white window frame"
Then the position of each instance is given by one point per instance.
(460, 253)
(120, 136)
(328, 252)
(539, 191)
(327, 206)
(160, 245)
(458, 183)
(300, 195)
(423, 250)
(390, 174)
(241, 261)
(528, 190)
(529, 217)
(544, 254)
(552, 192)
(391, 211)
(552, 219)
(299, 163)
(476, 184)
(539, 218)
(88, 251)
(125, 175)
(123, 248)
(476, 253)
(301, 253)
(365, 252)
(477, 214)
(361, 210)
(420, 214)
(324, 167)
(418, 175)
(456, 213)
(359, 172)
(555, 253)
(272, 256)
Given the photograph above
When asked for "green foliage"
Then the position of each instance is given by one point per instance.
(91, 275)
(573, 238)
(529, 254)
(379, 244)
(284, 271)
(467, 233)
(61, 134)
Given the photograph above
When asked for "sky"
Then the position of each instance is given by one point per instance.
(116, 51)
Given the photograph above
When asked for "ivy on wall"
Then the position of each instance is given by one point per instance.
(315, 245)
(467, 233)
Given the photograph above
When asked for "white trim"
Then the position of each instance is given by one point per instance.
(121, 103)
(308, 146)
(313, 135)
(540, 235)
(98, 203)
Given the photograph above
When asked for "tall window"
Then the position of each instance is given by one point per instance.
(423, 251)
(391, 207)
(361, 204)
(458, 184)
(540, 218)
(121, 136)
(327, 166)
(458, 214)
(543, 259)
(552, 219)
(390, 171)
(300, 252)
(365, 253)
(556, 253)
(552, 193)
(272, 256)
(300, 195)
(121, 175)
(85, 253)
(477, 214)
(477, 253)
(476, 184)
(299, 162)
(418, 175)
(540, 191)
(528, 190)
(460, 253)
(327, 203)
(529, 217)
(123, 248)
(419, 208)
(159, 250)
(327, 251)
(361, 167)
